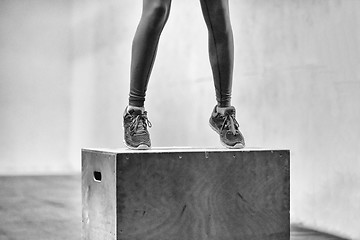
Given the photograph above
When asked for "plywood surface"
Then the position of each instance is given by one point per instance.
(203, 195)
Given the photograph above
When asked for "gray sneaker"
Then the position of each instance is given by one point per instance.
(136, 135)
(227, 127)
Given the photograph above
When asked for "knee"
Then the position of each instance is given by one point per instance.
(222, 31)
(220, 21)
(156, 13)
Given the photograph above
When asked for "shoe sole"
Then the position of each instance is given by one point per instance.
(236, 146)
(140, 147)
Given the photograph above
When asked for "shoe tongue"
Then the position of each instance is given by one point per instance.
(135, 112)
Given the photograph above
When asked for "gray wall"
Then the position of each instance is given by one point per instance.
(64, 85)
(35, 75)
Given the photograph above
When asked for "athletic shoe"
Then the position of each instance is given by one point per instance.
(227, 127)
(136, 135)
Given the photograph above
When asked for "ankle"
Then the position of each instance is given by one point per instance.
(221, 110)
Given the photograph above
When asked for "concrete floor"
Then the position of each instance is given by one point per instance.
(49, 208)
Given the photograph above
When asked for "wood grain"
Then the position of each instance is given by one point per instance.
(203, 195)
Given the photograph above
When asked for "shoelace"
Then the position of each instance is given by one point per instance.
(230, 121)
(141, 120)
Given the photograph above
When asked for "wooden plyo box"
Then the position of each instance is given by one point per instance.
(185, 194)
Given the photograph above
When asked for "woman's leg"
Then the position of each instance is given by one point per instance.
(221, 50)
(154, 16)
(221, 47)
